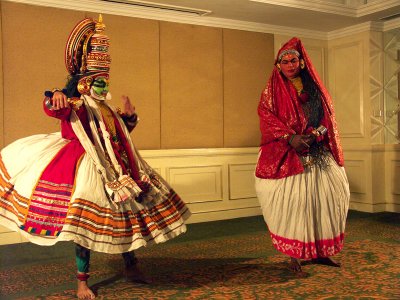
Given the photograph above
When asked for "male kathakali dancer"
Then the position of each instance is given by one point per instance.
(87, 184)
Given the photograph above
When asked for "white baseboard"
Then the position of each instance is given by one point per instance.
(224, 215)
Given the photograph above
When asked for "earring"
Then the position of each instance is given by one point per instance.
(84, 85)
(278, 66)
(302, 65)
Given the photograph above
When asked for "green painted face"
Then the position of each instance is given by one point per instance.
(100, 86)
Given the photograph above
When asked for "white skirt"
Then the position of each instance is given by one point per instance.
(306, 213)
(91, 219)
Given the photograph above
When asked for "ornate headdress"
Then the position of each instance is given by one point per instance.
(288, 51)
(86, 53)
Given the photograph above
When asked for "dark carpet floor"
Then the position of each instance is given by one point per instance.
(231, 259)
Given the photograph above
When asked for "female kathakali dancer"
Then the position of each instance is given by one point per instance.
(300, 180)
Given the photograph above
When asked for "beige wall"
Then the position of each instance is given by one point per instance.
(355, 77)
(247, 66)
(349, 87)
(191, 61)
(33, 50)
(193, 86)
(196, 87)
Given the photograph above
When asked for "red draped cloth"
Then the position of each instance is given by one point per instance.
(281, 115)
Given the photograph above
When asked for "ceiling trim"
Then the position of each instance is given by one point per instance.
(315, 5)
(335, 8)
(367, 26)
(177, 17)
(180, 17)
(162, 7)
(376, 6)
(392, 24)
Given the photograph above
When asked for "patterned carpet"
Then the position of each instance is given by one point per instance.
(231, 259)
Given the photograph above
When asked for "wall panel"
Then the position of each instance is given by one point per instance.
(392, 191)
(241, 178)
(358, 168)
(248, 61)
(191, 86)
(394, 166)
(33, 61)
(215, 183)
(197, 184)
(346, 87)
(356, 172)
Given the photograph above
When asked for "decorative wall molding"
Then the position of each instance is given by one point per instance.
(346, 83)
(376, 83)
(392, 175)
(371, 148)
(241, 177)
(351, 30)
(394, 171)
(373, 172)
(319, 59)
(214, 182)
(391, 24)
(368, 207)
(210, 152)
(364, 27)
(393, 207)
(338, 8)
(181, 17)
(226, 214)
(356, 170)
(198, 184)
(177, 17)
(375, 6)
(391, 70)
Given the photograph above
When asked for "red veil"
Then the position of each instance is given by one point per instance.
(281, 115)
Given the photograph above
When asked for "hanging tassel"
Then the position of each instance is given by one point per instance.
(157, 192)
(123, 189)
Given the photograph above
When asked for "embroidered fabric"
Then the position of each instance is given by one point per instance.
(280, 115)
(120, 187)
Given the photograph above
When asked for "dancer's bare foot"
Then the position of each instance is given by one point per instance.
(83, 291)
(327, 261)
(295, 266)
(134, 274)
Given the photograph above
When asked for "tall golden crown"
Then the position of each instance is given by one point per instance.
(87, 48)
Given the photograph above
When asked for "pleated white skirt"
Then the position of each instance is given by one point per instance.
(306, 213)
(91, 219)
